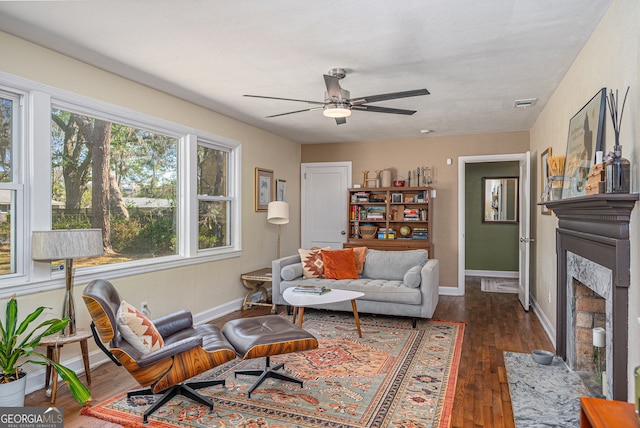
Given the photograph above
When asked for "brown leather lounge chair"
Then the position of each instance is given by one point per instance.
(188, 350)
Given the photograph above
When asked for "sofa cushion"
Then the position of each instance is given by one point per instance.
(359, 253)
(312, 265)
(137, 329)
(413, 277)
(339, 264)
(290, 272)
(392, 265)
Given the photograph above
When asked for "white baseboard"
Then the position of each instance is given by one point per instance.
(450, 291)
(36, 379)
(492, 273)
(546, 323)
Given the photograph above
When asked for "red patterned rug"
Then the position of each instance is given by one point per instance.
(395, 376)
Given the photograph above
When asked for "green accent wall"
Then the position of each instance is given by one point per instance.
(489, 246)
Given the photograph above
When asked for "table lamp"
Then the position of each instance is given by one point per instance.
(67, 244)
(278, 213)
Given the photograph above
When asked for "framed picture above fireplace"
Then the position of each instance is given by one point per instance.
(585, 139)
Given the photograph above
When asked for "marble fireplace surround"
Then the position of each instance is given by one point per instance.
(592, 245)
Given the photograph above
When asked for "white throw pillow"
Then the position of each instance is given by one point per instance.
(137, 329)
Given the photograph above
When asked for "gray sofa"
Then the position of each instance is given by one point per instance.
(401, 283)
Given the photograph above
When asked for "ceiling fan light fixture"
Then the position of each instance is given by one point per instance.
(336, 111)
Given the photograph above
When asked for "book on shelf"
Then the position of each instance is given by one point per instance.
(313, 289)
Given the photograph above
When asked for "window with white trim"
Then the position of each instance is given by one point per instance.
(164, 194)
(214, 197)
(10, 186)
(119, 178)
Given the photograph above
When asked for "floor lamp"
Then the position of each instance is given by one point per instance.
(278, 213)
(67, 244)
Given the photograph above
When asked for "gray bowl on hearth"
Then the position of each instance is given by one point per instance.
(542, 357)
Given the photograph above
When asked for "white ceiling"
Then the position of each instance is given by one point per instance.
(475, 57)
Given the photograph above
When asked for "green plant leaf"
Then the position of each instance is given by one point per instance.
(31, 317)
(79, 391)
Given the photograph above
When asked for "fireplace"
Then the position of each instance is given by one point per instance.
(592, 247)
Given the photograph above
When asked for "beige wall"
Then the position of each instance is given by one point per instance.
(609, 59)
(200, 287)
(404, 155)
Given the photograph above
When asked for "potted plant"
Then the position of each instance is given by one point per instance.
(18, 347)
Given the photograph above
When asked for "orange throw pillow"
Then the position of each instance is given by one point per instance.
(339, 264)
(360, 254)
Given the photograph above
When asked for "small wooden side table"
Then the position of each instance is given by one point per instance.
(257, 282)
(53, 345)
(601, 413)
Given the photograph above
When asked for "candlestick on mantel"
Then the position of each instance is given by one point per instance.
(599, 337)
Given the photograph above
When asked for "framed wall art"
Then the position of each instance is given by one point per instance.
(544, 181)
(281, 190)
(585, 139)
(264, 189)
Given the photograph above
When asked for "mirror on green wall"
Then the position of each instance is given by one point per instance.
(500, 199)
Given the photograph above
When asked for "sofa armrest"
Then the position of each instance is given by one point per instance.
(276, 268)
(430, 287)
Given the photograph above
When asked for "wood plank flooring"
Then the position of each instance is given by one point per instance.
(496, 323)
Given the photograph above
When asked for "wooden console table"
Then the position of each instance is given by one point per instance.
(600, 413)
(257, 282)
(53, 345)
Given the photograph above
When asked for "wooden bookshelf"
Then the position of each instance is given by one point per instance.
(405, 211)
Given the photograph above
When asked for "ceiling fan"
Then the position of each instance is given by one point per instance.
(338, 104)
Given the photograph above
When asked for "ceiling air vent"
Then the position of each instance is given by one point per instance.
(524, 103)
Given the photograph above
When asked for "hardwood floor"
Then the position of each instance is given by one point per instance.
(496, 322)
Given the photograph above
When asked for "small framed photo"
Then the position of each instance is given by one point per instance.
(264, 189)
(396, 198)
(281, 190)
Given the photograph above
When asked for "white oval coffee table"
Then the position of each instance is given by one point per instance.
(301, 299)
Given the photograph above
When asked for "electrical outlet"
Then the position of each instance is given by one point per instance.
(144, 308)
(549, 297)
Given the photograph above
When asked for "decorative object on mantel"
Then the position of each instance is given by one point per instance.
(595, 180)
(585, 138)
(617, 168)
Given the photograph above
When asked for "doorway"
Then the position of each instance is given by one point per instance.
(524, 239)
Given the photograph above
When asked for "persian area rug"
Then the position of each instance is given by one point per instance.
(394, 375)
(543, 396)
(499, 285)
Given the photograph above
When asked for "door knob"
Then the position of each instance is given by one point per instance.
(342, 232)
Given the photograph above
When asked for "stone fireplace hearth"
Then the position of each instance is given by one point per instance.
(592, 247)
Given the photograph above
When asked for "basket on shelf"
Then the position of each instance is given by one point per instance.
(368, 231)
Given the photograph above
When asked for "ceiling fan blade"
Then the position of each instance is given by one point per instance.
(391, 96)
(292, 112)
(341, 120)
(376, 109)
(285, 99)
(333, 86)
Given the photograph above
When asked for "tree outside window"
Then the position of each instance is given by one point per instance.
(117, 178)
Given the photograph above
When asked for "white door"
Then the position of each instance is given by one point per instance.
(324, 203)
(524, 226)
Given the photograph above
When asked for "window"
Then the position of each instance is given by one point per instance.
(10, 188)
(214, 201)
(165, 195)
(118, 178)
